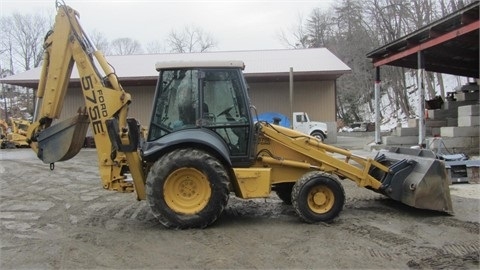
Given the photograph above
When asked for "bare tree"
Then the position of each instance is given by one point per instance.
(352, 28)
(296, 37)
(23, 35)
(319, 27)
(100, 42)
(191, 39)
(155, 46)
(21, 45)
(350, 39)
(125, 46)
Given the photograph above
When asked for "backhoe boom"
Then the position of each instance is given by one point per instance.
(67, 44)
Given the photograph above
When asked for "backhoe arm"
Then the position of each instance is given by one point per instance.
(105, 100)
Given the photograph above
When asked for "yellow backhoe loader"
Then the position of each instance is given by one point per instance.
(3, 132)
(15, 135)
(203, 141)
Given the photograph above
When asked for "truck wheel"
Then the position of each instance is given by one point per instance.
(187, 188)
(318, 197)
(284, 192)
(319, 135)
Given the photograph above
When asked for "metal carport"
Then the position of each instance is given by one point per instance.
(448, 45)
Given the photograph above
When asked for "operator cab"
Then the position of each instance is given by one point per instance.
(192, 97)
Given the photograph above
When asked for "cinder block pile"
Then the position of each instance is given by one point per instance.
(457, 122)
(463, 137)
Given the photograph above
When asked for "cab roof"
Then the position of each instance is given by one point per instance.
(199, 64)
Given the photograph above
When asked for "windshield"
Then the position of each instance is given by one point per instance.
(175, 102)
(203, 98)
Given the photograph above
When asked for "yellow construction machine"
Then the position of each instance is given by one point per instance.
(203, 142)
(15, 135)
(3, 132)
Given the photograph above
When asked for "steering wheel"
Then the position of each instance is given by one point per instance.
(226, 111)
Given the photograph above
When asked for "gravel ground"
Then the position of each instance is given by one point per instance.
(63, 219)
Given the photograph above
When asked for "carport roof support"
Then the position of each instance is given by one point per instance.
(449, 45)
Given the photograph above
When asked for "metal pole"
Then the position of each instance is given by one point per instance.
(378, 135)
(291, 91)
(421, 99)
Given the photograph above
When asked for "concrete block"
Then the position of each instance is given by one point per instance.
(430, 123)
(469, 121)
(396, 140)
(409, 131)
(465, 145)
(459, 131)
(436, 123)
(466, 96)
(469, 110)
(434, 131)
(441, 114)
(456, 104)
(452, 122)
(412, 122)
(462, 142)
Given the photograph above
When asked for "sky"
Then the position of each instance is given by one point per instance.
(234, 24)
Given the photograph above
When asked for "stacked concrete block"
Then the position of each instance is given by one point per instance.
(439, 114)
(465, 136)
(402, 131)
(457, 123)
(468, 116)
(462, 98)
(459, 131)
(432, 126)
(400, 141)
(467, 96)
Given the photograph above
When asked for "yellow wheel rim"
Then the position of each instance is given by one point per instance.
(320, 199)
(187, 191)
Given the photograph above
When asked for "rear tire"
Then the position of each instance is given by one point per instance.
(318, 197)
(187, 188)
(319, 135)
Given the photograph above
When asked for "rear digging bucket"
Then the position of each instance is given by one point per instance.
(416, 179)
(64, 140)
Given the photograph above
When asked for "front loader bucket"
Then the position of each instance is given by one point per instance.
(64, 140)
(416, 179)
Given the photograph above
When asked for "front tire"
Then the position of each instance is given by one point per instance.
(187, 188)
(318, 197)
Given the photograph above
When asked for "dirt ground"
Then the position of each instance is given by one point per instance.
(63, 219)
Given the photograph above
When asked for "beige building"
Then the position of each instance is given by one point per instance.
(267, 73)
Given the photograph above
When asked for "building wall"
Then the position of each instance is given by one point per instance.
(317, 98)
(140, 108)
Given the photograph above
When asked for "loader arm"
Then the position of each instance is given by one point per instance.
(105, 100)
(410, 178)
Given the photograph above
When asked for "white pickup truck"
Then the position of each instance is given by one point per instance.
(301, 122)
